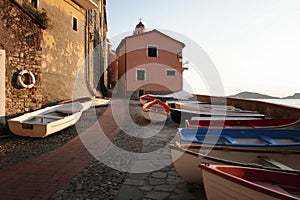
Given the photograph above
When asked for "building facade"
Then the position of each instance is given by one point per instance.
(55, 41)
(149, 62)
(112, 77)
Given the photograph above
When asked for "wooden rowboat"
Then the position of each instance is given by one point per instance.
(187, 157)
(97, 102)
(243, 138)
(270, 110)
(290, 123)
(179, 114)
(203, 106)
(44, 122)
(150, 97)
(232, 182)
(146, 98)
(86, 102)
(156, 111)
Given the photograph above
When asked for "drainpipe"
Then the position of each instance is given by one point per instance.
(2, 87)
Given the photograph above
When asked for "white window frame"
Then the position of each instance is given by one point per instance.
(148, 46)
(173, 70)
(136, 74)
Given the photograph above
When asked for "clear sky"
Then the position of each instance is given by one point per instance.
(254, 44)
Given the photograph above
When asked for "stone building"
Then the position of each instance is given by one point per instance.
(61, 42)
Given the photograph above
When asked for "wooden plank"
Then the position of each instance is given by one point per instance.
(267, 139)
(276, 163)
(48, 117)
(230, 139)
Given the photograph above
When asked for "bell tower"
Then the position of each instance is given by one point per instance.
(139, 28)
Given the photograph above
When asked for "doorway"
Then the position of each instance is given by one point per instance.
(141, 92)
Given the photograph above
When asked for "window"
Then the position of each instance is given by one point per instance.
(152, 51)
(74, 23)
(95, 20)
(90, 16)
(34, 3)
(100, 21)
(140, 74)
(170, 72)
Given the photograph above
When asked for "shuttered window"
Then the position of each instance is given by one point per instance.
(140, 74)
(170, 72)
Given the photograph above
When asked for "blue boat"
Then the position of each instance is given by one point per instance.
(242, 138)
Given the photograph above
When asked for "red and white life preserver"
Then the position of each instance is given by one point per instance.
(31, 77)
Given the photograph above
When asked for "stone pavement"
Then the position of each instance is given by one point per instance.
(41, 177)
(163, 182)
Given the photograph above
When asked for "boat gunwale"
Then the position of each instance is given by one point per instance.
(269, 109)
(197, 123)
(188, 150)
(267, 137)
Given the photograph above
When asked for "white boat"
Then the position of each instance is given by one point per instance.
(47, 121)
(156, 111)
(232, 182)
(86, 102)
(203, 106)
(224, 118)
(187, 157)
(179, 115)
(100, 102)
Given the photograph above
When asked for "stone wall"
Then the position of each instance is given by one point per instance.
(20, 37)
(63, 66)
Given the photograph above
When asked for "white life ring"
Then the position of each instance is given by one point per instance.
(31, 77)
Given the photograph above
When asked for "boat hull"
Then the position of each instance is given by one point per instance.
(156, 111)
(270, 110)
(244, 138)
(98, 102)
(86, 102)
(31, 125)
(230, 182)
(155, 116)
(200, 154)
(263, 123)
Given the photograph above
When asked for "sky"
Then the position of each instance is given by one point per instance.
(254, 45)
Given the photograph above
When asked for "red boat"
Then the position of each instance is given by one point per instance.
(293, 123)
(146, 98)
(233, 182)
(156, 111)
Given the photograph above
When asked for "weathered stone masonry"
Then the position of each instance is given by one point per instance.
(20, 37)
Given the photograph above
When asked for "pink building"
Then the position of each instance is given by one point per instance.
(149, 62)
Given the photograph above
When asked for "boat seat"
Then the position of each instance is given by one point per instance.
(48, 117)
(42, 117)
(275, 163)
(230, 139)
(267, 139)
